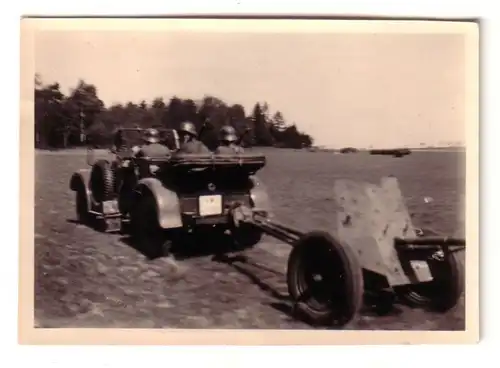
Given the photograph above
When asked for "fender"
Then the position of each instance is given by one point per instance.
(167, 202)
(80, 180)
(259, 195)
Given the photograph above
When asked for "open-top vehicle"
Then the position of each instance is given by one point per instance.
(165, 196)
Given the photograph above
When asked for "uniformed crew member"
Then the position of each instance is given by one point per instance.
(152, 146)
(189, 142)
(228, 141)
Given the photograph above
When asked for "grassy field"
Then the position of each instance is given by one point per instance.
(87, 279)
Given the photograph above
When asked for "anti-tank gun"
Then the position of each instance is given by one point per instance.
(375, 255)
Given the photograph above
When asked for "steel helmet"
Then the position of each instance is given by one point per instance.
(188, 128)
(228, 134)
(152, 135)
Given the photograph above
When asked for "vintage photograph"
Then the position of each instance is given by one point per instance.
(251, 174)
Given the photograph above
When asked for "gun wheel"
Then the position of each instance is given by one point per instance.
(444, 291)
(325, 280)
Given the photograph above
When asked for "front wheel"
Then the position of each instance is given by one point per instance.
(325, 280)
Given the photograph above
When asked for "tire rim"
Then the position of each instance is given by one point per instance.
(318, 280)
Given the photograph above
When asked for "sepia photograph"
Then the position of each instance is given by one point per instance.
(259, 176)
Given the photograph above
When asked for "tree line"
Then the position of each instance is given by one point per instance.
(64, 121)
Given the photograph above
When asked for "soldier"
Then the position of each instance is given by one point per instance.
(189, 142)
(152, 147)
(228, 141)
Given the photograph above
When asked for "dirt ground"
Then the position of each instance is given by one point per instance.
(88, 279)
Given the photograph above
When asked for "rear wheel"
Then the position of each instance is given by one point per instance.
(246, 236)
(126, 190)
(325, 280)
(145, 228)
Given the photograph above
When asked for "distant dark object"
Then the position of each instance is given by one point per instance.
(398, 152)
(349, 150)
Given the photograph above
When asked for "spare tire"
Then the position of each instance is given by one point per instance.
(102, 181)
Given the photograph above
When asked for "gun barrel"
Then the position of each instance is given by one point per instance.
(270, 227)
(430, 240)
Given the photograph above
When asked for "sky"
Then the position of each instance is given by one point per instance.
(344, 89)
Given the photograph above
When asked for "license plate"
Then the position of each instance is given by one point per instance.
(422, 270)
(109, 207)
(210, 205)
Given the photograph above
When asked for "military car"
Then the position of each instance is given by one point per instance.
(155, 198)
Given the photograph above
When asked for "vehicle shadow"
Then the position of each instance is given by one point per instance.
(373, 306)
(239, 261)
(183, 247)
(89, 224)
(242, 264)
